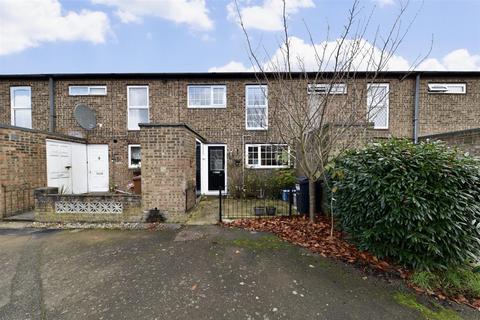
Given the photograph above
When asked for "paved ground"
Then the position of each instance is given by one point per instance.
(195, 272)
(25, 216)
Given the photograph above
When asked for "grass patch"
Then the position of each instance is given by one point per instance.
(265, 242)
(453, 281)
(441, 313)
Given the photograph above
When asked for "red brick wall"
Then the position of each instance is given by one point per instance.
(168, 104)
(22, 168)
(168, 170)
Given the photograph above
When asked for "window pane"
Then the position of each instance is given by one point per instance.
(21, 98)
(199, 96)
(23, 118)
(136, 116)
(98, 91)
(219, 96)
(253, 155)
(256, 118)
(138, 97)
(256, 96)
(379, 116)
(377, 96)
(79, 91)
(135, 156)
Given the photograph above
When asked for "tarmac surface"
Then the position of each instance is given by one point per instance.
(193, 272)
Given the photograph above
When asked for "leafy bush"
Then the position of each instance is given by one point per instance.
(270, 182)
(417, 204)
(454, 281)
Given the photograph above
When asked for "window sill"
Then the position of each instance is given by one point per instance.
(256, 129)
(207, 107)
(266, 167)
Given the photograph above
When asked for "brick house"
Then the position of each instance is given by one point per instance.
(207, 116)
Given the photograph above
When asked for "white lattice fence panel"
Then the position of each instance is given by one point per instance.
(105, 207)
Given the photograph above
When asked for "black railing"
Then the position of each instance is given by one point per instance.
(17, 199)
(264, 205)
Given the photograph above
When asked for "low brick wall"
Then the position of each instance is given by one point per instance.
(466, 140)
(168, 169)
(53, 207)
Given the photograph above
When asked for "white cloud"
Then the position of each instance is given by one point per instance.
(193, 13)
(27, 24)
(304, 57)
(268, 15)
(232, 66)
(457, 60)
(431, 64)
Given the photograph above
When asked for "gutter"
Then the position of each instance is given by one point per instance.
(51, 98)
(416, 109)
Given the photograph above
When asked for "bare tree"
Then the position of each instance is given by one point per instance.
(320, 110)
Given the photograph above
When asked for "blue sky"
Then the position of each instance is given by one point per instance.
(50, 36)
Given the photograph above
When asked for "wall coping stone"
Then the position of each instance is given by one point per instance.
(49, 135)
(451, 134)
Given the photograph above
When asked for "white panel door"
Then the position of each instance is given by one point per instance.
(97, 167)
(59, 165)
(79, 168)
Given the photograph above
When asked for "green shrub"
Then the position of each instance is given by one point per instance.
(417, 204)
(268, 183)
(454, 281)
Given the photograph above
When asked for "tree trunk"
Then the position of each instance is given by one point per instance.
(311, 199)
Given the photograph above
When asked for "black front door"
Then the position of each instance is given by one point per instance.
(216, 168)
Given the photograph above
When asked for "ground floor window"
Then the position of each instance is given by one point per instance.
(267, 156)
(134, 159)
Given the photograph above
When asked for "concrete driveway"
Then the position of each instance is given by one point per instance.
(196, 272)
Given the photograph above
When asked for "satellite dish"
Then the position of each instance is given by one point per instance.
(85, 116)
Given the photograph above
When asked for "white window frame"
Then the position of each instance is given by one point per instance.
(265, 90)
(89, 89)
(259, 164)
(443, 88)
(137, 107)
(211, 87)
(130, 166)
(386, 85)
(13, 107)
(327, 88)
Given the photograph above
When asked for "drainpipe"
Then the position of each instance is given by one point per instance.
(51, 96)
(417, 109)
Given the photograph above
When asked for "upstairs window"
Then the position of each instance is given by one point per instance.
(21, 106)
(378, 104)
(453, 88)
(259, 156)
(336, 88)
(256, 105)
(134, 159)
(137, 101)
(87, 90)
(202, 96)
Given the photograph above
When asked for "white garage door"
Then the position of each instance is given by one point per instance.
(59, 165)
(67, 166)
